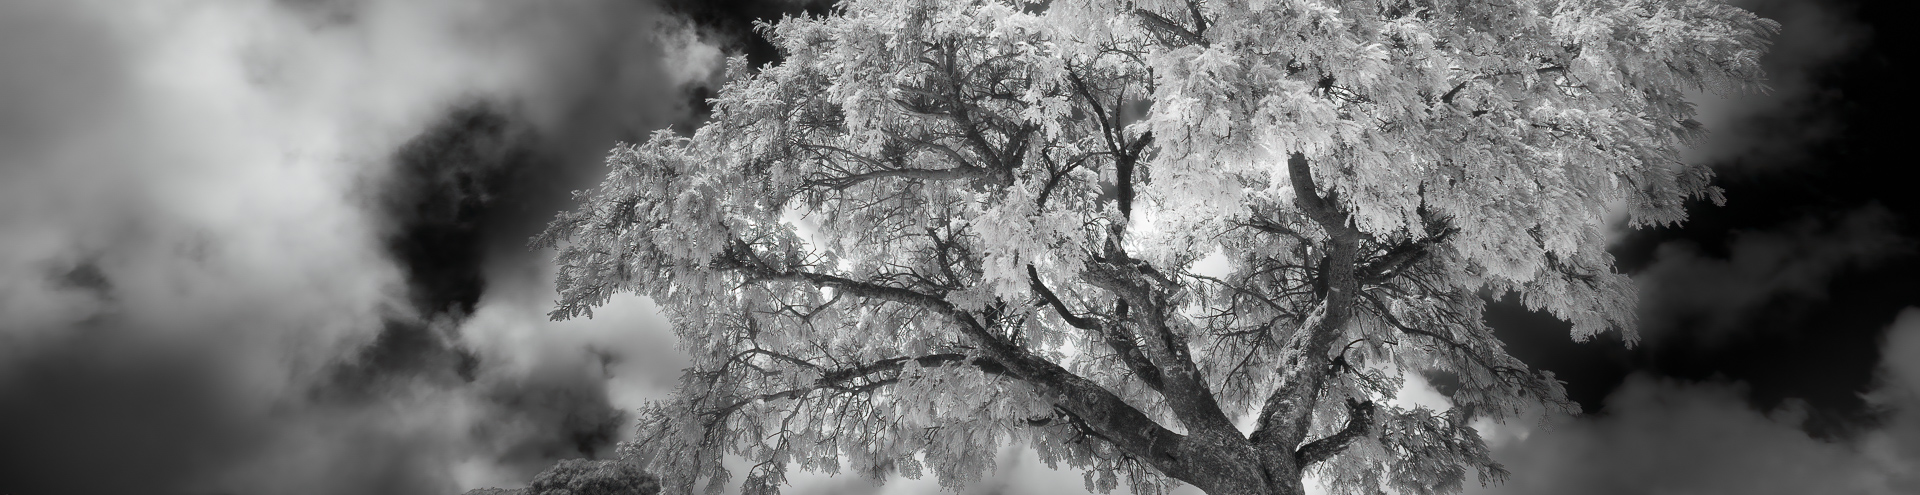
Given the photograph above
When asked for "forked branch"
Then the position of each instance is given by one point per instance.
(1359, 424)
(1115, 336)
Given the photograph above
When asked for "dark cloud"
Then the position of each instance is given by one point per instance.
(534, 408)
(435, 205)
(1764, 275)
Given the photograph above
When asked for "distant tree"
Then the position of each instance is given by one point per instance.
(1158, 240)
(584, 477)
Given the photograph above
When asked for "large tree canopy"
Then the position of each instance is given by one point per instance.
(1159, 240)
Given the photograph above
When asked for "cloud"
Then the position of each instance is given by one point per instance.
(1763, 274)
(1664, 436)
(1775, 127)
(199, 207)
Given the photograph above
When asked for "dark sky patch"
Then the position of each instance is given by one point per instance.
(1591, 369)
(573, 406)
(1774, 129)
(80, 417)
(438, 202)
(404, 353)
(458, 201)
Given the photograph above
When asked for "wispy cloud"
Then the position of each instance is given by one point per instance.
(1663, 436)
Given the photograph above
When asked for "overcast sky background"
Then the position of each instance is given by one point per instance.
(278, 247)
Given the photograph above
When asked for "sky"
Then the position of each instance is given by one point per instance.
(279, 247)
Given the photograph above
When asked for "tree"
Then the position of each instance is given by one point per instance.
(584, 477)
(1160, 241)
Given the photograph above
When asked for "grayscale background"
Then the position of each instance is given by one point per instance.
(279, 247)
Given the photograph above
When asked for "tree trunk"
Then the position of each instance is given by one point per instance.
(1229, 464)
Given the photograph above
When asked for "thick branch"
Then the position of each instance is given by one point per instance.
(986, 365)
(1199, 21)
(1123, 168)
(1273, 227)
(1080, 322)
(1359, 424)
(1288, 413)
(845, 181)
(1451, 93)
(1306, 196)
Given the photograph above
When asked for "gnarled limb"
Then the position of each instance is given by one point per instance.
(845, 181)
(1359, 424)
